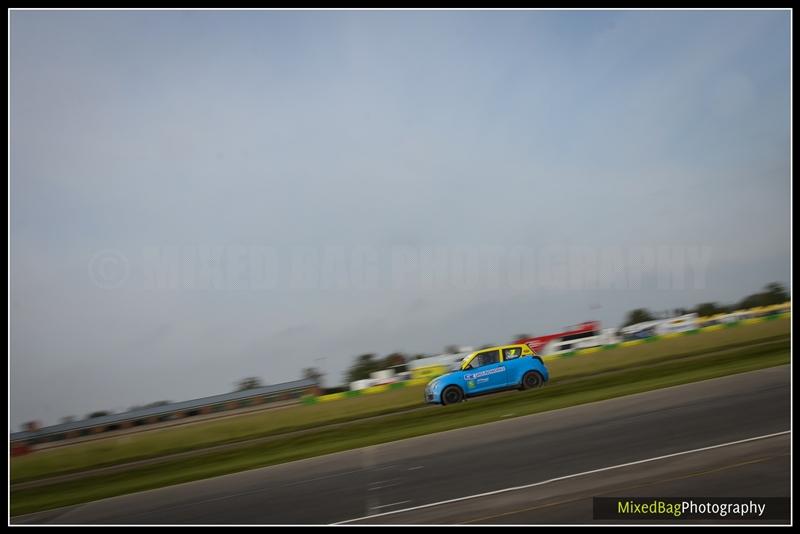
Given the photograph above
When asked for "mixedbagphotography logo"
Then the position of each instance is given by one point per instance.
(334, 267)
(692, 508)
(109, 269)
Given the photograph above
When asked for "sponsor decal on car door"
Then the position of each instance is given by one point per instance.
(485, 372)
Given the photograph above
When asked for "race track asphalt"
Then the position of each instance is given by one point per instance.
(518, 451)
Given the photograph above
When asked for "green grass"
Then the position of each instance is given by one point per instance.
(155, 443)
(576, 391)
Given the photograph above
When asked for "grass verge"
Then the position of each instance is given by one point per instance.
(240, 429)
(435, 419)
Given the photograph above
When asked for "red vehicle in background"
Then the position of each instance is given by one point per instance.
(580, 331)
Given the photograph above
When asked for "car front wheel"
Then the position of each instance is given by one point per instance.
(452, 395)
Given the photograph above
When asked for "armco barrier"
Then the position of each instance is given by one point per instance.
(425, 374)
(366, 391)
(428, 372)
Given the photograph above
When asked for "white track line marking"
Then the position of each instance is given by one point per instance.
(565, 477)
(391, 504)
(379, 485)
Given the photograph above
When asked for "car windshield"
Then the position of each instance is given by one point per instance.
(455, 366)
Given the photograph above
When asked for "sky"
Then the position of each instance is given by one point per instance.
(198, 197)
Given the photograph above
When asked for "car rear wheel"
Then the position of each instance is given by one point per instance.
(452, 395)
(532, 380)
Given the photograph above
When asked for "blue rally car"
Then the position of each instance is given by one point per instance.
(488, 370)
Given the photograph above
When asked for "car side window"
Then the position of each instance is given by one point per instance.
(512, 353)
(485, 358)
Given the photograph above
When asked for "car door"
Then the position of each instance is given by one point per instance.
(515, 365)
(485, 372)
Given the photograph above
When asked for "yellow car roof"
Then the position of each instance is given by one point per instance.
(525, 349)
(499, 347)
